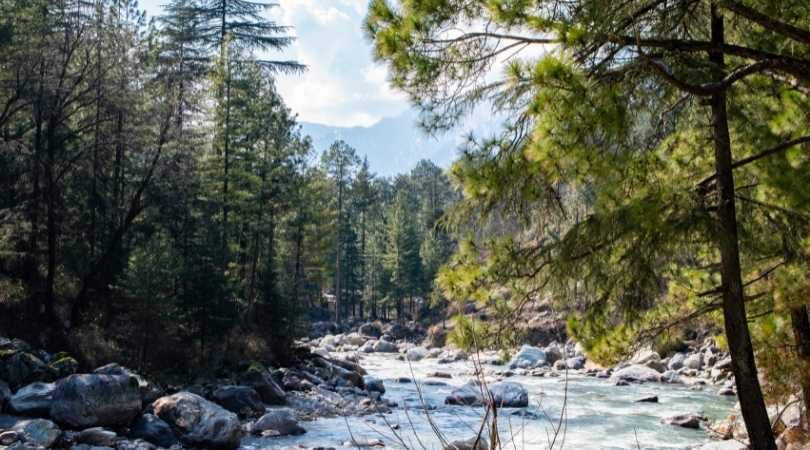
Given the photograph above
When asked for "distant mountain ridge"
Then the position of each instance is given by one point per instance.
(393, 145)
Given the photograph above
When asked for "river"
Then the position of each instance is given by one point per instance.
(598, 414)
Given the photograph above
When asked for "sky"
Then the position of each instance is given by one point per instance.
(343, 86)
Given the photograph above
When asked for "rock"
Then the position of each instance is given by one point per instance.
(9, 437)
(671, 377)
(694, 361)
(242, 400)
(385, 347)
(374, 384)
(474, 443)
(91, 400)
(416, 354)
(97, 436)
(528, 357)
(5, 394)
(793, 438)
(684, 420)
(505, 394)
(153, 429)
(575, 363)
(260, 379)
(436, 336)
(648, 399)
(440, 375)
(644, 356)
(636, 374)
(19, 368)
(277, 422)
(33, 400)
(508, 394)
(41, 432)
(395, 330)
(726, 391)
(370, 329)
(554, 352)
(355, 339)
(198, 422)
(723, 364)
(368, 347)
(676, 361)
(149, 391)
(137, 444)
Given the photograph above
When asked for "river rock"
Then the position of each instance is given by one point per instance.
(242, 400)
(723, 445)
(355, 339)
(33, 400)
(694, 361)
(479, 443)
(382, 346)
(644, 356)
(149, 391)
(370, 329)
(528, 357)
(636, 374)
(374, 384)
(153, 429)
(91, 400)
(467, 395)
(508, 394)
(684, 420)
(97, 436)
(40, 432)
(416, 354)
(199, 422)
(63, 366)
(395, 330)
(648, 399)
(676, 361)
(9, 437)
(575, 363)
(723, 364)
(277, 422)
(19, 368)
(368, 347)
(260, 379)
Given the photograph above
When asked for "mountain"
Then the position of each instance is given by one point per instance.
(393, 145)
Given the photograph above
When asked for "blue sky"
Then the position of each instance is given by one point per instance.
(343, 85)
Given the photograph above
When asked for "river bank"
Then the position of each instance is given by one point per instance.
(378, 386)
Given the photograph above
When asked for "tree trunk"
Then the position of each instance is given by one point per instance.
(752, 403)
(337, 252)
(801, 333)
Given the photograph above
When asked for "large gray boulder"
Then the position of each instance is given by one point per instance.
(382, 346)
(277, 422)
(153, 429)
(19, 368)
(505, 394)
(92, 400)
(374, 384)
(694, 361)
(33, 400)
(260, 379)
(479, 443)
(199, 422)
(370, 329)
(40, 432)
(149, 391)
(416, 353)
(242, 400)
(676, 361)
(528, 357)
(636, 373)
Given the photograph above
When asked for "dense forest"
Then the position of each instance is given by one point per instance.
(157, 190)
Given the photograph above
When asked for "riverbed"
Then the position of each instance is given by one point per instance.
(596, 414)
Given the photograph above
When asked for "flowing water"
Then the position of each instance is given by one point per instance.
(598, 415)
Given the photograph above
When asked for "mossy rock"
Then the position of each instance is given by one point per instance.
(64, 366)
(5, 354)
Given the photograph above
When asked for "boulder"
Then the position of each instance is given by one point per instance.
(374, 384)
(723, 445)
(416, 354)
(676, 361)
(63, 366)
(199, 422)
(395, 330)
(370, 329)
(385, 347)
(368, 347)
(575, 363)
(40, 432)
(506, 394)
(528, 357)
(19, 368)
(436, 336)
(97, 436)
(33, 400)
(636, 373)
(153, 429)
(242, 400)
(554, 352)
(149, 391)
(260, 379)
(694, 361)
(277, 422)
(9, 437)
(474, 443)
(671, 377)
(684, 420)
(91, 400)
(723, 364)
(643, 356)
(648, 399)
